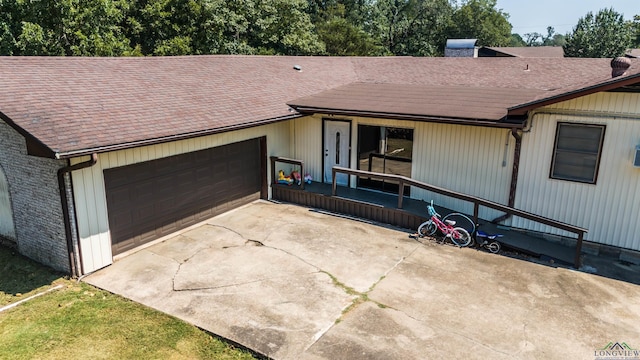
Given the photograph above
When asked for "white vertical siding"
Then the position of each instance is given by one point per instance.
(306, 143)
(7, 229)
(609, 209)
(466, 159)
(89, 189)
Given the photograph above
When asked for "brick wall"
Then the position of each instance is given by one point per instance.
(37, 210)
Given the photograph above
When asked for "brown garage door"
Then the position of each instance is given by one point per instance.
(151, 199)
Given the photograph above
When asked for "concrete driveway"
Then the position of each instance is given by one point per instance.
(291, 283)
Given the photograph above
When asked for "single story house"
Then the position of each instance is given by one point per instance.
(99, 156)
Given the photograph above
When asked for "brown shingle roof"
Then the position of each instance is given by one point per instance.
(77, 105)
(530, 51)
(464, 102)
(72, 104)
(467, 88)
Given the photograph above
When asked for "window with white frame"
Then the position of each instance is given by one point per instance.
(577, 152)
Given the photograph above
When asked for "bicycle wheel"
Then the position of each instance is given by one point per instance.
(462, 221)
(494, 247)
(460, 237)
(427, 228)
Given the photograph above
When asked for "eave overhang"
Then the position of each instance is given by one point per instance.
(36, 148)
(613, 84)
(504, 122)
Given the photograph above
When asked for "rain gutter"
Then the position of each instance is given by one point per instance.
(514, 175)
(65, 209)
(425, 118)
(165, 139)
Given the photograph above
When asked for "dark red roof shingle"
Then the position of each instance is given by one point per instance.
(464, 102)
(75, 105)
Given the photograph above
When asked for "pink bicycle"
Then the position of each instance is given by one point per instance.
(458, 236)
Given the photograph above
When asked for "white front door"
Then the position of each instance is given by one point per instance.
(337, 139)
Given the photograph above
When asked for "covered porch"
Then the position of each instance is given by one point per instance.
(402, 211)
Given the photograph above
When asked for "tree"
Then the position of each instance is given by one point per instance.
(67, 27)
(604, 35)
(517, 41)
(7, 27)
(480, 19)
(163, 27)
(635, 28)
(551, 39)
(92, 28)
(356, 12)
(342, 37)
(284, 27)
(411, 27)
(181, 27)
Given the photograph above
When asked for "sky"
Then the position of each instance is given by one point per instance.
(529, 16)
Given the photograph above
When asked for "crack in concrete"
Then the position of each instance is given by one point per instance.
(242, 283)
(256, 242)
(180, 263)
(360, 298)
(290, 254)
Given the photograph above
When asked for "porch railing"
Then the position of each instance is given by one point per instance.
(275, 159)
(402, 181)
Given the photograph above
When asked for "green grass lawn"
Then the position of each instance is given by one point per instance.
(81, 321)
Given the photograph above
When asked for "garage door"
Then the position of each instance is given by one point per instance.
(155, 198)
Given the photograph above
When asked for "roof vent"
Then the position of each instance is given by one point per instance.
(297, 67)
(619, 66)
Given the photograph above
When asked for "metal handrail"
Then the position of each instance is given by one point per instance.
(403, 180)
(275, 159)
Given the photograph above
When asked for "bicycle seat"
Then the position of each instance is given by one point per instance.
(450, 222)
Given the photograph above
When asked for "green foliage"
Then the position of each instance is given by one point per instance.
(161, 27)
(551, 39)
(341, 36)
(156, 27)
(283, 27)
(412, 27)
(635, 28)
(32, 40)
(480, 19)
(604, 35)
(260, 27)
(356, 12)
(516, 41)
(69, 27)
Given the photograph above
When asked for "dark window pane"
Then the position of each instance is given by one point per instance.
(577, 152)
(384, 150)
